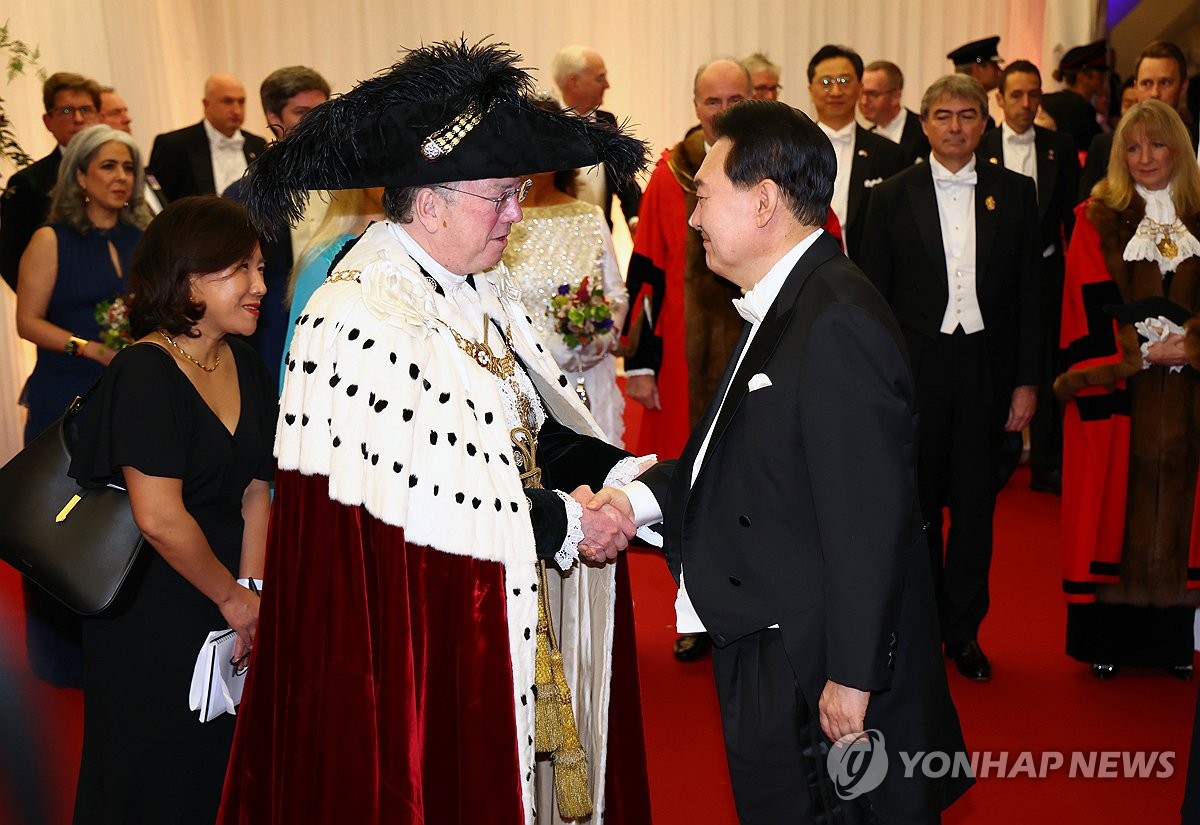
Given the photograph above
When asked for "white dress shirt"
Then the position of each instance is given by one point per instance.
(843, 146)
(753, 306)
(228, 157)
(955, 193)
(1020, 152)
(894, 130)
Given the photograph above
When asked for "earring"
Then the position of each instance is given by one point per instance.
(125, 205)
(86, 199)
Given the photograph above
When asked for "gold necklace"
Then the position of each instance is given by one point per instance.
(181, 351)
(501, 367)
(1166, 244)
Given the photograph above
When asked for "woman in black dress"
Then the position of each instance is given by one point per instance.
(185, 419)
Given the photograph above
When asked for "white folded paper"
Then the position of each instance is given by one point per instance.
(216, 683)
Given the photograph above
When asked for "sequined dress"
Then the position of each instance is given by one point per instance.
(561, 244)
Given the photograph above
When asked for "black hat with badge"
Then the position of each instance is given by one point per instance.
(1090, 56)
(446, 112)
(977, 51)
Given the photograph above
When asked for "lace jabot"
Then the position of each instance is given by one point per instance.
(1161, 236)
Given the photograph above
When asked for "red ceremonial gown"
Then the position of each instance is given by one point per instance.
(392, 675)
(1131, 450)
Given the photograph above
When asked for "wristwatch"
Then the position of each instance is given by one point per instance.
(75, 346)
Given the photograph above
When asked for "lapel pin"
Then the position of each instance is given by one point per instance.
(862, 153)
(990, 203)
(995, 161)
(1049, 154)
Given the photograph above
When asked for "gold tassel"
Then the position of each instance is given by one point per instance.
(547, 726)
(571, 786)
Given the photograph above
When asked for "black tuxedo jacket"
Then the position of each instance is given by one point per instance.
(907, 263)
(23, 208)
(1095, 168)
(628, 192)
(804, 514)
(875, 159)
(1057, 182)
(914, 145)
(182, 163)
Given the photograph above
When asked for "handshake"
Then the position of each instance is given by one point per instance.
(607, 523)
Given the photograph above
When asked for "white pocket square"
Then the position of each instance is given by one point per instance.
(758, 381)
(870, 183)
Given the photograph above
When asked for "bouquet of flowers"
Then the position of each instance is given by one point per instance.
(113, 318)
(581, 316)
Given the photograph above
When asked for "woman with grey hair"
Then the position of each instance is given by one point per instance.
(72, 267)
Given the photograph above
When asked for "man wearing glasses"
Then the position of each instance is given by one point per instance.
(72, 104)
(864, 159)
(424, 436)
(882, 88)
(954, 250)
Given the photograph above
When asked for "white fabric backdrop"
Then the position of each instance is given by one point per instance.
(157, 53)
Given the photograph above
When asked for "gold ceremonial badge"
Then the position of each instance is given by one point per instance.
(990, 203)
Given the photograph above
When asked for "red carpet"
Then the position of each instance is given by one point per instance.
(1039, 702)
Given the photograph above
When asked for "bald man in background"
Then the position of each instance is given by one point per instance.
(204, 159)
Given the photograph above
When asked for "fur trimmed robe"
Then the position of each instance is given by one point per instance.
(1132, 435)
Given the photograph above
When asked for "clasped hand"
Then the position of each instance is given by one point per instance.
(607, 528)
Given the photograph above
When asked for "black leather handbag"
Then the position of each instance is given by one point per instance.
(78, 544)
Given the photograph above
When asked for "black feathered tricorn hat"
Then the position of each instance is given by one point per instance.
(446, 112)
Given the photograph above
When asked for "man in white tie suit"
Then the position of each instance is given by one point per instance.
(1049, 158)
(954, 250)
(205, 158)
(791, 519)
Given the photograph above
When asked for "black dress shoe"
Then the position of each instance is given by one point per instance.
(691, 646)
(1047, 482)
(970, 661)
(1103, 672)
(1181, 672)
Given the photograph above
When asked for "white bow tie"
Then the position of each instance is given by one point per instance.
(231, 143)
(1026, 138)
(960, 178)
(841, 138)
(745, 307)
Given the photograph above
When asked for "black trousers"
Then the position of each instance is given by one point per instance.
(776, 752)
(959, 436)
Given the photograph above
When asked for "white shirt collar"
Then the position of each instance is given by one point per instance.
(215, 137)
(936, 167)
(758, 300)
(1010, 133)
(447, 279)
(843, 134)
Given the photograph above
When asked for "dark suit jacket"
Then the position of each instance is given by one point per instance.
(23, 208)
(907, 263)
(875, 159)
(1095, 168)
(774, 529)
(628, 192)
(1057, 181)
(182, 163)
(913, 143)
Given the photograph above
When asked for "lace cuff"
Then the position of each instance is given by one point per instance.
(569, 552)
(627, 469)
(1155, 330)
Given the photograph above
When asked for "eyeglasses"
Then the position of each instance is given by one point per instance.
(519, 193)
(764, 88)
(85, 112)
(827, 83)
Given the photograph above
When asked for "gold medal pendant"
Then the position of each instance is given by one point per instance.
(1167, 246)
